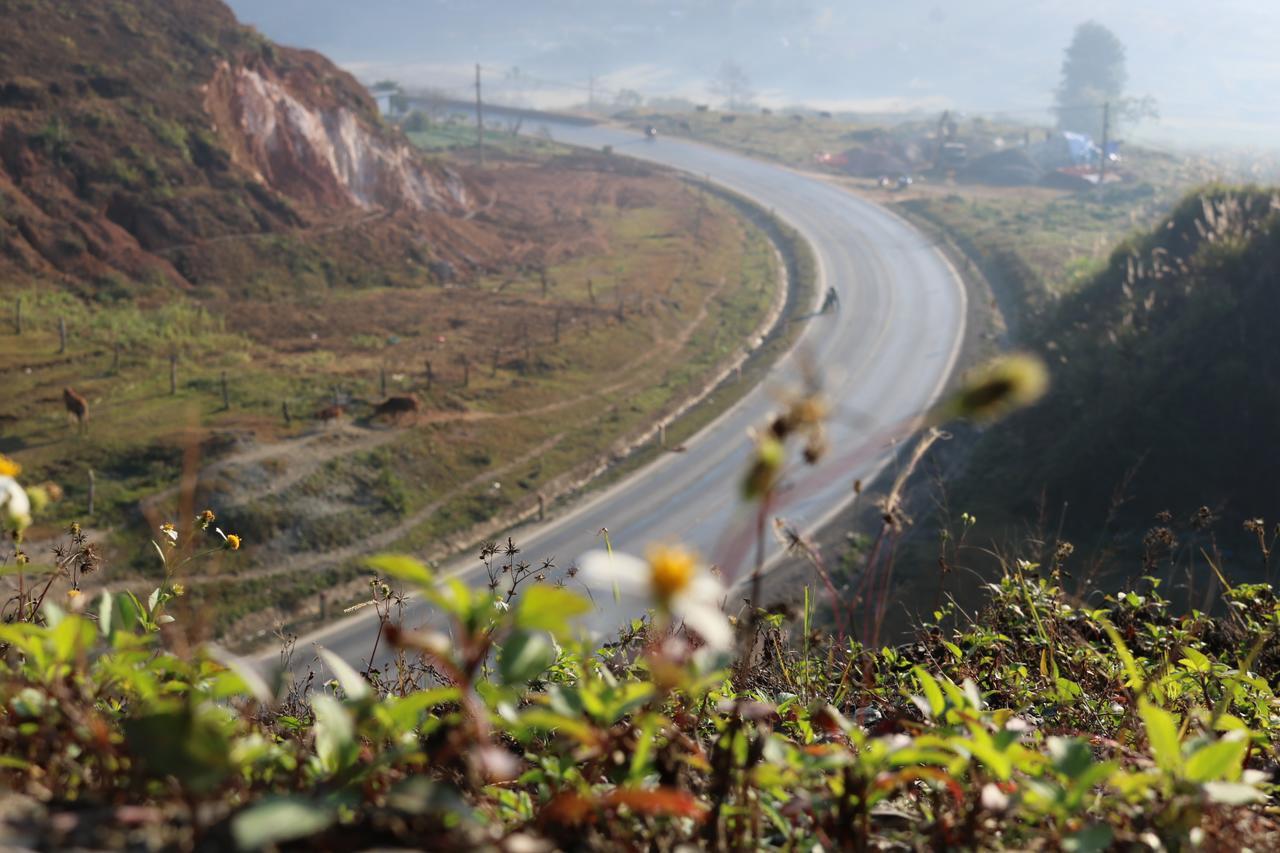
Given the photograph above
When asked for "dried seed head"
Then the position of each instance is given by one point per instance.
(766, 464)
(997, 388)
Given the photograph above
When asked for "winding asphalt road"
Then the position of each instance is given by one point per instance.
(885, 354)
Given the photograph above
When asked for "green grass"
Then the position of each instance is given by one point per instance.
(590, 389)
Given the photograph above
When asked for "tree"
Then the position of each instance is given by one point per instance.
(733, 84)
(628, 99)
(1093, 73)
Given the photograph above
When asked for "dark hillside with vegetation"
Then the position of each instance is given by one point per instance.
(1166, 393)
(138, 139)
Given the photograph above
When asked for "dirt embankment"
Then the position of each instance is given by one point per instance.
(148, 145)
(324, 154)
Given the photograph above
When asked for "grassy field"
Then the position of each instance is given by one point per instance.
(523, 375)
(1036, 243)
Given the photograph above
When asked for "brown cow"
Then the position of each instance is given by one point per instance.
(397, 407)
(77, 406)
(330, 414)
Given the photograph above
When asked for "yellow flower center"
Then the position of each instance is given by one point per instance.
(234, 541)
(9, 468)
(673, 570)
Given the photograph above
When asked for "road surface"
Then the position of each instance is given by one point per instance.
(885, 354)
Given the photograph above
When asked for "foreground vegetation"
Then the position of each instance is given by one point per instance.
(1042, 721)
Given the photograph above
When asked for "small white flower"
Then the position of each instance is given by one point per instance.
(673, 579)
(14, 503)
(500, 605)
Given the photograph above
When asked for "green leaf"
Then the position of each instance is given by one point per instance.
(644, 748)
(278, 819)
(72, 636)
(1195, 661)
(985, 750)
(336, 746)
(547, 720)
(353, 683)
(406, 713)
(549, 608)
(1162, 734)
(1091, 839)
(1130, 665)
(403, 568)
(932, 692)
(525, 656)
(1071, 756)
(1221, 760)
(190, 743)
(130, 611)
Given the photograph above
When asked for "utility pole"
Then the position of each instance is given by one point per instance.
(479, 118)
(1106, 131)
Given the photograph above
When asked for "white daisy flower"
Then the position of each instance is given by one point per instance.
(680, 587)
(15, 506)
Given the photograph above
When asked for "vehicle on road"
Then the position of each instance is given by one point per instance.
(830, 302)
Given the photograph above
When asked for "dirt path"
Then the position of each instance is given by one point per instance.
(382, 538)
(296, 459)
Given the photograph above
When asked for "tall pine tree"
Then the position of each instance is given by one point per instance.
(1092, 73)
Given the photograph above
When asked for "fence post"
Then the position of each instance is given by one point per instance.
(284, 409)
(17, 316)
(93, 488)
(173, 373)
(115, 357)
(62, 335)
(226, 398)
(431, 375)
(382, 380)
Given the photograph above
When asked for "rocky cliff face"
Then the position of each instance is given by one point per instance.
(322, 154)
(146, 144)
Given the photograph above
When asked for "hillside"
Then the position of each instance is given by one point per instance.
(221, 246)
(1165, 395)
(139, 140)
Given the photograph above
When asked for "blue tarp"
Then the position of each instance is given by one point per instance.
(1081, 147)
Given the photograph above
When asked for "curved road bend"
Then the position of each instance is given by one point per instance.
(886, 353)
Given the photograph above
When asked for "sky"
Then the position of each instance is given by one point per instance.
(1212, 66)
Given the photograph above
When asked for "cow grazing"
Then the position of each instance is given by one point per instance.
(397, 407)
(329, 414)
(77, 407)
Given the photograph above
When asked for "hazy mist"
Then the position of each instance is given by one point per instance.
(1211, 66)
